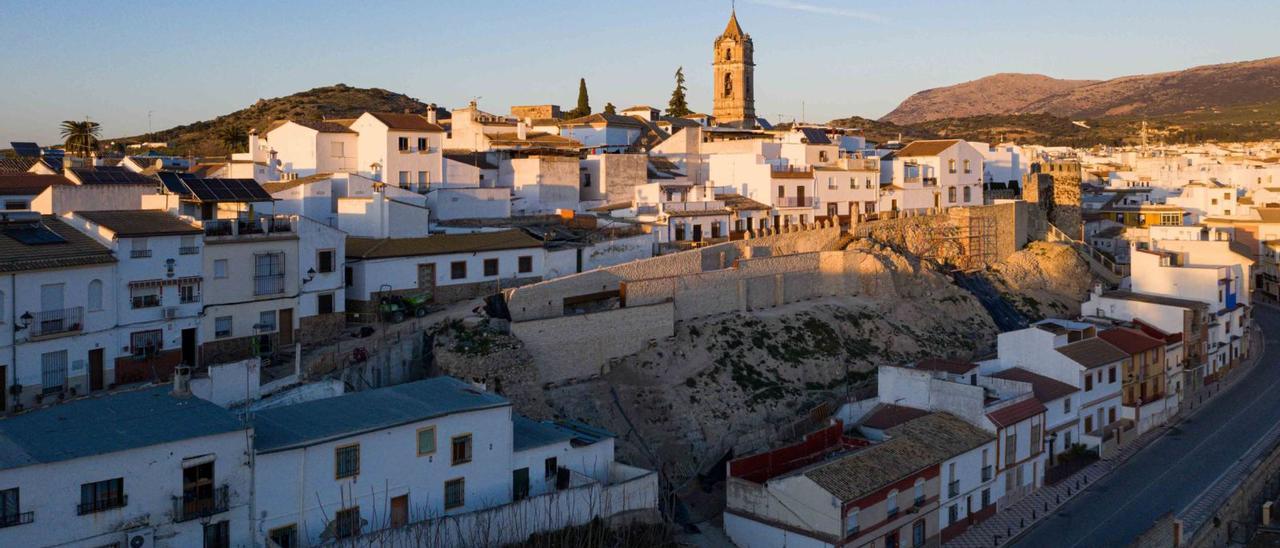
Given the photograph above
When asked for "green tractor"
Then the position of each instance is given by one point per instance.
(395, 308)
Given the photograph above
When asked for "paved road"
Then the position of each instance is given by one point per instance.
(1167, 475)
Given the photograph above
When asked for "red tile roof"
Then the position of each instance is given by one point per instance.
(947, 366)
(1156, 333)
(1045, 388)
(888, 415)
(29, 184)
(1017, 412)
(1131, 341)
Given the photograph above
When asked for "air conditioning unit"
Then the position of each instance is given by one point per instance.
(170, 312)
(141, 538)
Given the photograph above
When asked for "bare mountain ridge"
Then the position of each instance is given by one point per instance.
(1003, 93)
(1197, 88)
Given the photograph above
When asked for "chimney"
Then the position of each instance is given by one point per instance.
(431, 113)
(93, 159)
(253, 143)
(522, 131)
(182, 381)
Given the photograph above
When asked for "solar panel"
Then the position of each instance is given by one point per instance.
(26, 149)
(173, 183)
(35, 234)
(225, 190)
(108, 175)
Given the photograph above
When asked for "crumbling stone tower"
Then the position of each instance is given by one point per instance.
(1055, 188)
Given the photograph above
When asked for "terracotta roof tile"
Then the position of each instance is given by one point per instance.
(1045, 388)
(912, 447)
(927, 147)
(439, 244)
(1016, 412)
(1092, 352)
(1131, 341)
(947, 366)
(888, 415)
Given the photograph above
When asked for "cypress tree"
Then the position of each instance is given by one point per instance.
(678, 106)
(584, 104)
(610, 109)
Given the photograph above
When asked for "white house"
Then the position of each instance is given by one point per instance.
(57, 310)
(173, 471)
(951, 169)
(443, 267)
(158, 287)
(399, 149)
(408, 455)
(307, 147)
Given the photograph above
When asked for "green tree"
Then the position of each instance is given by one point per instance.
(678, 106)
(81, 138)
(233, 138)
(610, 109)
(584, 103)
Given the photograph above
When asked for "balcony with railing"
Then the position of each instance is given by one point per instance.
(49, 323)
(139, 253)
(189, 506)
(268, 284)
(987, 473)
(953, 489)
(259, 227)
(793, 201)
(17, 518)
(145, 301)
(118, 501)
(189, 250)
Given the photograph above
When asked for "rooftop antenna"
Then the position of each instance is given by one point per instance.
(802, 117)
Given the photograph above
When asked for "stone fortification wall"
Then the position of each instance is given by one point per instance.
(546, 299)
(576, 347)
(967, 237)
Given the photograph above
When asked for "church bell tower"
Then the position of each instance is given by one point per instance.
(734, 84)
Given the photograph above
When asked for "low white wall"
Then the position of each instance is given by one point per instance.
(637, 494)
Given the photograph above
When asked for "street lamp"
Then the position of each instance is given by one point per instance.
(24, 323)
(311, 275)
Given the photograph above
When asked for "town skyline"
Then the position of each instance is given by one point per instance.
(239, 61)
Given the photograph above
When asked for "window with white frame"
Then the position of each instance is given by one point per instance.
(53, 371)
(918, 493)
(222, 327)
(147, 296)
(139, 248)
(891, 503)
(851, 522)
(143, 344)
(337, 149)
(95, 295)
(266, 321)
(220, 268)
(189, 291)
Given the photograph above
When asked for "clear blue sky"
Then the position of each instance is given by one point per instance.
(187, 61)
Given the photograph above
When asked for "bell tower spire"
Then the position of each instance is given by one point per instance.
(734, 68)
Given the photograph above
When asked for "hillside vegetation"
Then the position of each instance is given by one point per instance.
(337, 101)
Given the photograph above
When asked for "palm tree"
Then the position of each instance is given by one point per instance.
(81, 138)
(232, 137)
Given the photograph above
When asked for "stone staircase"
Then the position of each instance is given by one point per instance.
(1098, 262)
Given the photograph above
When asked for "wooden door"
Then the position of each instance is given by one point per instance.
(95, 369)
(400, 511)
(286, 326)
(427, 280)
(189, 346)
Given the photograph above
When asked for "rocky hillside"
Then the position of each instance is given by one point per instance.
(739, 382)
(338, 101)
(1004, 93)
(1203, 88)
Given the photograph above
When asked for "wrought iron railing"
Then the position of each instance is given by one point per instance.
(53, 322)
(268, 284)
(118, 501)
(189, 506)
